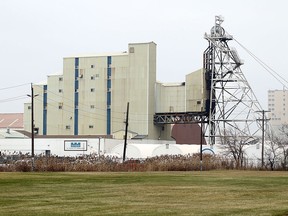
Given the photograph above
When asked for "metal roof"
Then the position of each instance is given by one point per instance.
(11, 120)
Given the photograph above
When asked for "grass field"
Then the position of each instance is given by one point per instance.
(145, 193)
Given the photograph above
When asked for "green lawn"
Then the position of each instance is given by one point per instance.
(148, 193)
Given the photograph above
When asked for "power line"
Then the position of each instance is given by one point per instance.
(20, 97)
(16, 86)
(83, 111)
(265, 66)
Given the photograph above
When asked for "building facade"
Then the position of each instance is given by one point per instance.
(91, 96)
(278, 107)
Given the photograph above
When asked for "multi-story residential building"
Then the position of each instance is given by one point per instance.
(91, 96)
(278, 107)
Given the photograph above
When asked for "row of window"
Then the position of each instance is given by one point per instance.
(91, 66)
(93, 77)
(91, 90)
(274, 99)
(274, 105)
(282, 114)
(60, 106)
(68, 127)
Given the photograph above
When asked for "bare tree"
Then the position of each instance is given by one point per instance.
(277, 148)
(272, 149)
(234, 146)
(283, 145)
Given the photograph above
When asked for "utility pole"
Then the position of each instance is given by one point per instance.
(32, 121)
(126, 131)
(32, 124)
(263, 119)
(99, 139)
(201, 144)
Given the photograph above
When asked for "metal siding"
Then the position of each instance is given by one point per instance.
(76, 96)
(108, 127)
(45, 110)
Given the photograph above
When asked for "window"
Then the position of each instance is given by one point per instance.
(67, 127)
(60, 78)
(91, 126)
(92, 66)
(60, 105)
(97, 75)
(92, 90)
(92, 106)
(81, 73)
(92, 78)
(60, 90)
(131, 50)
(29, 107)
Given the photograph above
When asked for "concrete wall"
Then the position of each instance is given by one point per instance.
(57, 146)
(195, 91)
(55, 108)
(170, 97)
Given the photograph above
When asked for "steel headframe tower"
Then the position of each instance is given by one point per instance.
(231, 103)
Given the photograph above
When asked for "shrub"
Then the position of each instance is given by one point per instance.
(94, 163)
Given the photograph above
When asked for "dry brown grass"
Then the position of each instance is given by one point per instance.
(94, 163)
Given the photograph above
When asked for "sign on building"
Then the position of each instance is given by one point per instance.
(75, 145)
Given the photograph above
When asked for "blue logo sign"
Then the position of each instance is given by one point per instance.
(75, 145)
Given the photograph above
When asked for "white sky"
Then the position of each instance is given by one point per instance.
(36, 35)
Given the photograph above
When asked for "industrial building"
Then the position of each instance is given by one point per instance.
(90, 97)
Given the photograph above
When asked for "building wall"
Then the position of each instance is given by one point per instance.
(55, 108)
(196, 93)
(182, 97)
(278, 107)
(27, 117)
(170, 97)
(141, 83)
(91, 96)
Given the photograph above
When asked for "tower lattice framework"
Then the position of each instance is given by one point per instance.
(231, 103)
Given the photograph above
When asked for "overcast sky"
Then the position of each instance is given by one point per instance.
(36, 35)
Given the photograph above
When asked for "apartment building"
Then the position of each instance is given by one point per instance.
(278, 107)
